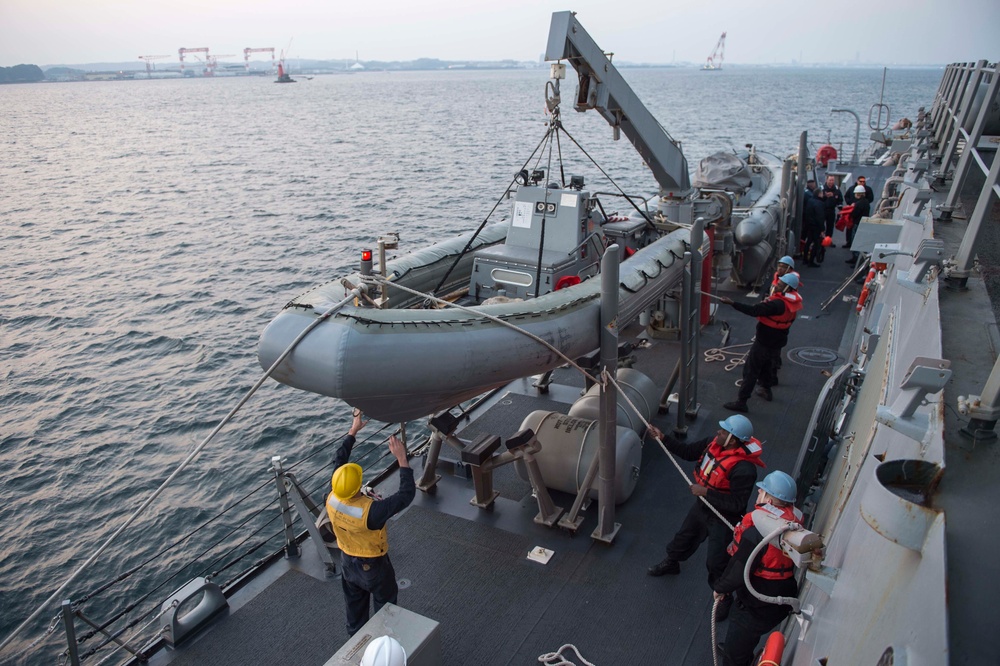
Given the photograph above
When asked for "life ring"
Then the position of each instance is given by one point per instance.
(567, 281)
(773, 649)
(863, 298)
(826, 153)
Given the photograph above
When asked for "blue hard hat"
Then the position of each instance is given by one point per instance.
(787, 261)
(790, 279)
(779, 485)
(738, 426)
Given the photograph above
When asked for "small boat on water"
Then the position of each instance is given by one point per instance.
(283, 75)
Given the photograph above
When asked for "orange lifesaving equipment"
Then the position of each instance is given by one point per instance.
(567, 281)
(863, 298)
(826, 153)
(793, 303)
(773, 649)
(716, 463)
(844, 220)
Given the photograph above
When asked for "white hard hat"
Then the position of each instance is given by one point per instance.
(384, 651)
(860, 189)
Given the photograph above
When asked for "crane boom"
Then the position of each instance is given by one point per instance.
(149, 59)
(714, 61)
(602, 88)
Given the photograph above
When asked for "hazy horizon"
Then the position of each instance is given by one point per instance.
(57, 32)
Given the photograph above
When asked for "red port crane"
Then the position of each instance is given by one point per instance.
(149, 59)
(182, 51)
(715, 60)
(247, 51)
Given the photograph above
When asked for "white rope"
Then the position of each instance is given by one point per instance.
(549, 658)
(715, 652)
(735, 358)
(191, 456)
(381, 280)
(607, 376)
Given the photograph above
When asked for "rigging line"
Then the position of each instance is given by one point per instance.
(545, 215)
(496, 320)
(605, 174)
(190, 457)
(487, 219)
(605, 375)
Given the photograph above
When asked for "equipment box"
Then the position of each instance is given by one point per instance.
(511, 272)
(629, 234)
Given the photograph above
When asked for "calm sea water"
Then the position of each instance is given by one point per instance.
(151, 229)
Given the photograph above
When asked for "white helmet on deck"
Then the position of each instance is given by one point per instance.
(384, 651)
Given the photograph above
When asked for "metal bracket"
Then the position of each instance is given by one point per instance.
(925, 377)
(825, 578)
(929, 253)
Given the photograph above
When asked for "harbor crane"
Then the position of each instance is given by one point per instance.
(212, 61)
(183, 51)
(149, 62)
(247, 51)
(715, 60)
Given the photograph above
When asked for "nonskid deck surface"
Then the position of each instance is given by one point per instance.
(467, 568)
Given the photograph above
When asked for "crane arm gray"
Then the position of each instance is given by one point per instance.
(602, 88)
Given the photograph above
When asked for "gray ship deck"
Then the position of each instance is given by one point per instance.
(467, 569)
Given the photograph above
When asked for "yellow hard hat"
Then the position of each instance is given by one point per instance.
(346, 481)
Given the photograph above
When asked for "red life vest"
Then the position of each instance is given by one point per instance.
(774, 564)
(793, 303)
(716, 463)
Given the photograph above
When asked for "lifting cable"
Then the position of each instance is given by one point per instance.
(190, 457)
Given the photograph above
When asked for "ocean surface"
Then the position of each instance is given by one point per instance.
(150, 229)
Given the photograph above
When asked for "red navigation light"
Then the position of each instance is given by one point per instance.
(366, 255)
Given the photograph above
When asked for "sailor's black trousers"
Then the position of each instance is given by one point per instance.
(365, 578)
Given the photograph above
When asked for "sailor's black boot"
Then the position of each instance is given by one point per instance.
(667, 567)
(737, 406)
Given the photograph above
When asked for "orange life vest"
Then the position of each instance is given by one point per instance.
(793, 303)
(716, 463)
(774, 565)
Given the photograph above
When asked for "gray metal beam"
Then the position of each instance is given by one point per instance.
(970, 153)
(602, 88)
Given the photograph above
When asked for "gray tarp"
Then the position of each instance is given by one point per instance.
(722, 171)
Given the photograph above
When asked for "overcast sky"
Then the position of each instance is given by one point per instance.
(47, 32)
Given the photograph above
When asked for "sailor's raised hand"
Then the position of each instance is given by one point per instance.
(357, 423)
(398, 449)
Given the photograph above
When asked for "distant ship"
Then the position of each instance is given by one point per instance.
(283, 76)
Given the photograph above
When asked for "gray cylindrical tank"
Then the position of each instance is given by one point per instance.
(639, 388)
(569, 444)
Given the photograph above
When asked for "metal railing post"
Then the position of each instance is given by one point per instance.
(606, 526)
(291, 548)
(67, 617)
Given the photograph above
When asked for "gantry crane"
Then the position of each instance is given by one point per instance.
(715, 60)
(149, 59)
(247, 51)
(182, 51)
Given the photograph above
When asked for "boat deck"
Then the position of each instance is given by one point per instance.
(466, 567)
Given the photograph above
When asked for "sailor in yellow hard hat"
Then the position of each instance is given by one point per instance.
(359, 524)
